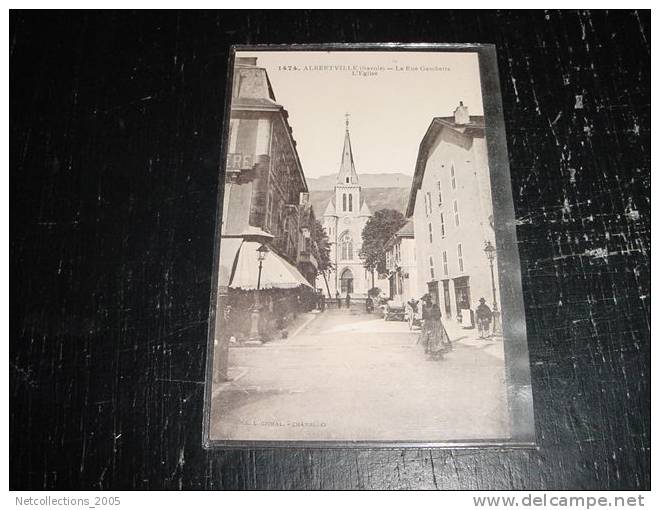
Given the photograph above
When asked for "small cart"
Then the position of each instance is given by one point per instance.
(395, 312)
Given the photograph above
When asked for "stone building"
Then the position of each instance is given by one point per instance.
(266, 199)
(343, 220)
(451, 204)
(265, 204)
(307, 246)
(401, 263)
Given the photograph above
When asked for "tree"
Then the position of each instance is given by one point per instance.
(322, 251)
(322, 242)
(376, 232)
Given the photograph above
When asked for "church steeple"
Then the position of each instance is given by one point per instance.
(347, 173)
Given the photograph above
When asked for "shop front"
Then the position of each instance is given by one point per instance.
(465, 315)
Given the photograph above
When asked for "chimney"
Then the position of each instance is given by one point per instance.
(246, 61)
(461, 115)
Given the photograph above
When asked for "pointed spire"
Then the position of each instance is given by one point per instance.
(330, 208)
(347, 173)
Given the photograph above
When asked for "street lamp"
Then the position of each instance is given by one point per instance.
(262, 251)
(490, 251)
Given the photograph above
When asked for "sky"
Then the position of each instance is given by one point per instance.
(389, 111)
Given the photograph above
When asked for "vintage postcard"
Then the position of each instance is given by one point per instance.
(367, 278)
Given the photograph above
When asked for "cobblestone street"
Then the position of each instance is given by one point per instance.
(348, 375)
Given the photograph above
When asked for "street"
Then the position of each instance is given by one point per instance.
(348, 375)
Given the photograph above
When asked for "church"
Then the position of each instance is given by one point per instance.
(343, 219)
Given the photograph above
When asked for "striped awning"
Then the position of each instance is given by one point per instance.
(276, 272)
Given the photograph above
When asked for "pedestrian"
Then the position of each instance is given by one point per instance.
(413, 312)
(484, 316)
(322, 302)
(427, 322)
(297, 306)
(426, 325)
(338, 298)
(438, 341)
(348, 300)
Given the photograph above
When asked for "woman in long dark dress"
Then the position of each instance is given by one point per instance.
(438, 342)
(427, 326)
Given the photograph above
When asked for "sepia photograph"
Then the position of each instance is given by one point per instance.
(248, 255)
(368, 285)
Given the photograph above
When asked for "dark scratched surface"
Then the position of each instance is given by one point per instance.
(115, 125)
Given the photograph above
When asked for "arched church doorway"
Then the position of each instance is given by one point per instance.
(346, 280)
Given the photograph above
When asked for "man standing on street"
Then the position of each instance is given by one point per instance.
(338, 298)
(484, 316)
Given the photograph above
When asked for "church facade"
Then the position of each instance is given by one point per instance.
(343, 219)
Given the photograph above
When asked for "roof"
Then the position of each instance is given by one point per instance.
(347, 167)
(408, 231)
(253, 80)
(256, 103)
(330, 209)
(276, 273)
(473, 129)
(252, 91)
(364, 210)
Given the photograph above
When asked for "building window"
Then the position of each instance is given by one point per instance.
(350, 203)
(456, 218)
(442, 224)
(426, 205)
(445, 269)
(269, 211)
(459, 249)
(343, 202)
(237, 90)
(233, 135)
(439, 194)
(430, 201)
(430, 233)
(432, 272)
(453, 177)
(285, 235)
(346, 244)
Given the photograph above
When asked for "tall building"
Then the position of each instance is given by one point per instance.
(343, 219)
(266, 200)
(267, 250)
(451, 204)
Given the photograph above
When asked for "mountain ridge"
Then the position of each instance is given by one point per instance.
(376, 198)
(375, 180)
